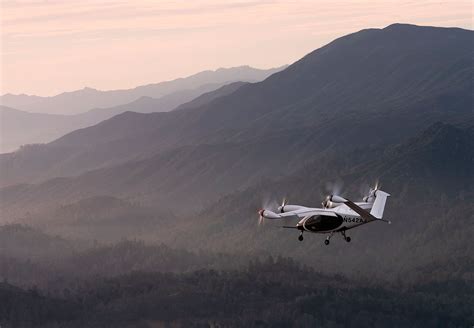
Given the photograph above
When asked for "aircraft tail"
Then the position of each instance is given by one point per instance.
(379, 204)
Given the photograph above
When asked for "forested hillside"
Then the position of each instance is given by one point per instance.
(269, 293)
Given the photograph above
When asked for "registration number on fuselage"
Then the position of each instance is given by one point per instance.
(353, 220)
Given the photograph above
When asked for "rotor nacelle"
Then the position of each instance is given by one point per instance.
(370, 198)
(332, 201)
(266, 214)
(337, 199)
(289, 208)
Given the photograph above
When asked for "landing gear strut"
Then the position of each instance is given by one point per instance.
(300, 237)
(326, 242)
(346, 238)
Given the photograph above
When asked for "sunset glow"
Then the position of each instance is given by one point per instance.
(53, 46)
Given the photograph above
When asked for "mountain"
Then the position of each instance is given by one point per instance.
(102, 218)
(430, 178)
(392, 105)
(21, 128)
(356, 92)
(430, 199)
(25, 243)
(80, 101)
(18, 100)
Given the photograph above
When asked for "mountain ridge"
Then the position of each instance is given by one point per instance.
(22, 128)
(423, 204)
(74, 102)
(426, 74)
(271, 128)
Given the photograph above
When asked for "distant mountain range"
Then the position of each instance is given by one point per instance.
(358, 90)
(394, 104)
(80, 101)
(22, 128)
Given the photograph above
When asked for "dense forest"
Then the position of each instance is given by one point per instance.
(269, 292)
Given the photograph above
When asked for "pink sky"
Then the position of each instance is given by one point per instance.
(51, 46)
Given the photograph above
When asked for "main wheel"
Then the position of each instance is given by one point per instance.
(348, 239)
(300, 237)
(326, 242)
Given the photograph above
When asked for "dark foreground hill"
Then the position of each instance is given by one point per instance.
(268, 294)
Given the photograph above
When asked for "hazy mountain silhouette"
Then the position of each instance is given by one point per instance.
(103, 218)
(393, 105)
(79, 101)
(430, 198)
(20, 127)
(25, 243)
(18, 100)
(373, 87)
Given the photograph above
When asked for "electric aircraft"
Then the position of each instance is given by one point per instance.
(337, 215)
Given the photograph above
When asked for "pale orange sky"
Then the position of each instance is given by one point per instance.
(51, 46)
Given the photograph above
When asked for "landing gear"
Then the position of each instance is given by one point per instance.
(326, 242)
(346, 238)
(300, 237)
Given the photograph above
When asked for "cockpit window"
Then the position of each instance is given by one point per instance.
(323, 223)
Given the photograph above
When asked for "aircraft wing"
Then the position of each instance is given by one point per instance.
(359, 210)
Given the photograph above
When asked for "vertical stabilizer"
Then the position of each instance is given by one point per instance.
(379, 204)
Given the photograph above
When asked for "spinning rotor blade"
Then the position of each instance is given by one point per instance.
(377, 185)
(334, 188)
(284, 202)
(260, 217)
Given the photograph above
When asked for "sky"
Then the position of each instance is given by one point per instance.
(51, 46)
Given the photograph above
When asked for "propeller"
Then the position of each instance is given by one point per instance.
(261, 219)
(284, 202)
(332, 188)
(269, 204)
(270, 210)
(372, 191)
(377, 185)
(327, 202)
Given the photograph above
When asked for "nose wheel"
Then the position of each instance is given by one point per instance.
(300, 237)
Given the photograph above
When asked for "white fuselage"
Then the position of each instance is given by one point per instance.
(324, 220)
